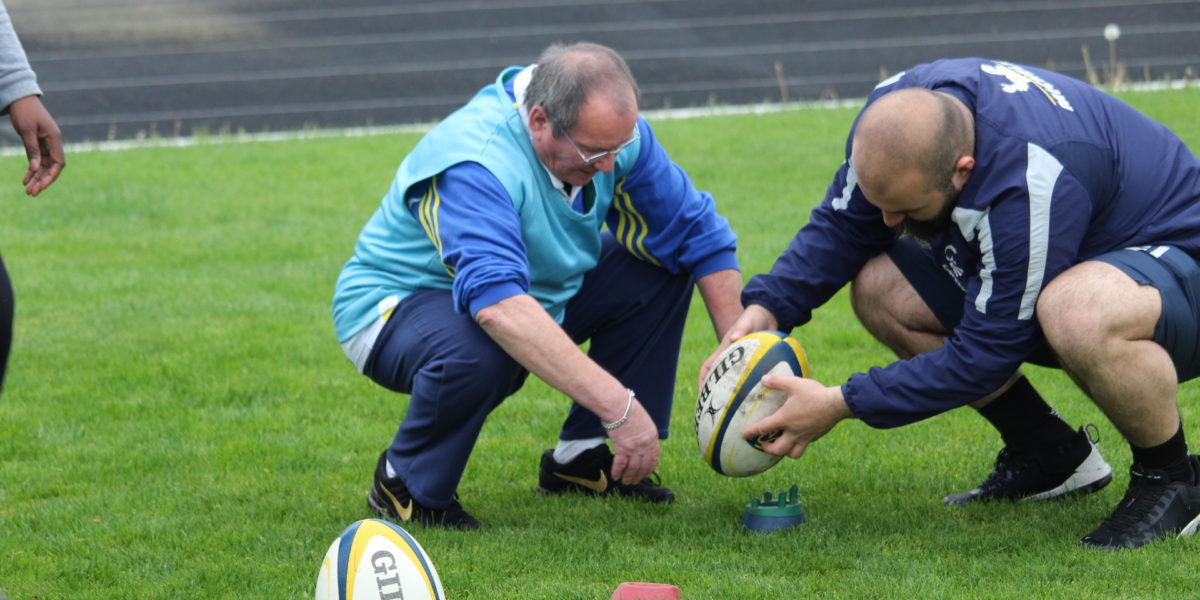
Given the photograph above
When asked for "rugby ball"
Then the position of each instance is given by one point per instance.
(377, 560)
(733, 397)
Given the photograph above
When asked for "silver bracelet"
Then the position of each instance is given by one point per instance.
(624, 417)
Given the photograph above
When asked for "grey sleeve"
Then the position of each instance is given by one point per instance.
(17, 79)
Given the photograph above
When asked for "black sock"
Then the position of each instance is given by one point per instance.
(1024, 420)
(1170, 456)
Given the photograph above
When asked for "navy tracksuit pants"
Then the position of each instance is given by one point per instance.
(6, 319)
(633, 313)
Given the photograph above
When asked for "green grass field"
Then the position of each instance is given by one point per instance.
(179, 421)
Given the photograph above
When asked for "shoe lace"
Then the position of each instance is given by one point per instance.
(454, 510)
(652, 480)
(1008, 465)
(1144, 494)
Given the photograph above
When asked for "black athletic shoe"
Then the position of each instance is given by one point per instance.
(591, 473)
(1154, 507)
(390, 498)
(1074, 468)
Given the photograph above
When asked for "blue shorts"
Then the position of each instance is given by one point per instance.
(1174, 273)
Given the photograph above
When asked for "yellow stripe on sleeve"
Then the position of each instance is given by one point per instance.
(428, 213)
(631, 226)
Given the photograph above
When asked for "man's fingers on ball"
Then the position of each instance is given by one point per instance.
(765, 427)
(776, 447)
(758, 440)
(776, 382)
(784, 445)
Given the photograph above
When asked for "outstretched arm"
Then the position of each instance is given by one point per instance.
(722, 292)
(531, 336)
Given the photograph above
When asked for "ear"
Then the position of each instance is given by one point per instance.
(539, 119)
(962, 171)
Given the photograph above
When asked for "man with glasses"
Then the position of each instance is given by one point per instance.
(486, 261)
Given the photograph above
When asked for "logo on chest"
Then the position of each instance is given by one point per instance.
(951, 266)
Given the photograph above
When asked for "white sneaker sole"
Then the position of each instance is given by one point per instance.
(1190, 529)
(1093, 473)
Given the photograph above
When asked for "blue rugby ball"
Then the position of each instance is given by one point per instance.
(733, 397)
(377, 560)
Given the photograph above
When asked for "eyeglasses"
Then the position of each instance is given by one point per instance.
(587, 160)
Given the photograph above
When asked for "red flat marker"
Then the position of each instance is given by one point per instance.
(631, 590)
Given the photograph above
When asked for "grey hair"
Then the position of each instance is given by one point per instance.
(567, 74)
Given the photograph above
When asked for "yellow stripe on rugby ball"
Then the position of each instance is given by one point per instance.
(724, 402)
(375, 559)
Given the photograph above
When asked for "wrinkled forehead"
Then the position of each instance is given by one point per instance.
(603, 123)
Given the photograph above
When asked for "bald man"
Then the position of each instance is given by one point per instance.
(991, 214)
(486, 262)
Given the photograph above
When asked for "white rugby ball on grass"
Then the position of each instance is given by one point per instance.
(377, 560)
(733, 397)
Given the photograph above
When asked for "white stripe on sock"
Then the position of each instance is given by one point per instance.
(567, 450)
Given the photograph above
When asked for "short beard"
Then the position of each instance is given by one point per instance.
(929, 229)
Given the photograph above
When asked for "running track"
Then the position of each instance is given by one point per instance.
(117, 69)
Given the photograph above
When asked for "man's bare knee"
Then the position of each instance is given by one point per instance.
(888, 306)
(874, 285)
(1094, 303)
